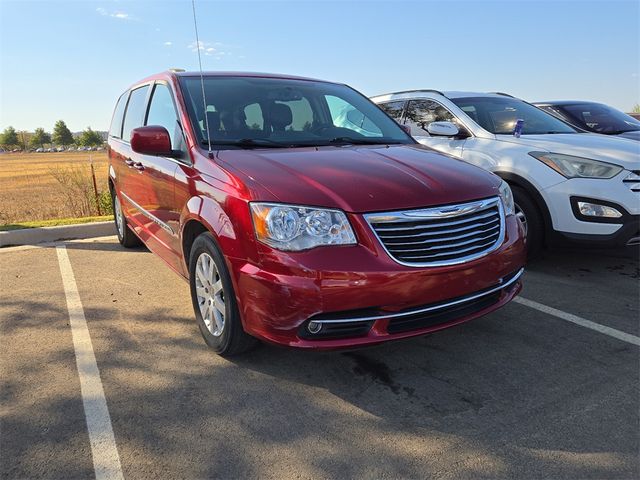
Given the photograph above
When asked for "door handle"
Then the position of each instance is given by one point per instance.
(138, 166)
(129, 162)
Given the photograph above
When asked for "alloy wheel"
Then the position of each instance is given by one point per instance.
(210, 294)
(522, 217)
(118, 215)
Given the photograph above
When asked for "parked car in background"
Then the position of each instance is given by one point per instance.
(583, 188)
(299, 232)
(594, 117)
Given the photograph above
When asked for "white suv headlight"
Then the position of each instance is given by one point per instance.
(507, 198)
(577, 167)
(296, 227)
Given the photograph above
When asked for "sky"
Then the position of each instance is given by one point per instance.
(71, 60)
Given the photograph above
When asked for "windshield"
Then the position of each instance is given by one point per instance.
(600, 118)
(247, 112)
(498, 115)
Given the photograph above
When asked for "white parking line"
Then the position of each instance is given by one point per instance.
(583, 322)
(106, 461)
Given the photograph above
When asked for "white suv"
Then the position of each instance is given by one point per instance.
(567, 185)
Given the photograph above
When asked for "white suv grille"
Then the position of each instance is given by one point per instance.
(633, 181)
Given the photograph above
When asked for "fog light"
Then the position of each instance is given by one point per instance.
(594, 210)
(314, 327)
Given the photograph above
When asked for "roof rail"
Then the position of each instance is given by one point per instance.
(418, 90)
(503, 94)
(177, 70)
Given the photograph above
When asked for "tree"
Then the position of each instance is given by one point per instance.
(9, 138)
(24, 137)
(40, 137)
(61, 134)
(636, 108)
(90, 138)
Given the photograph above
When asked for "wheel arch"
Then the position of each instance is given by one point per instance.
(204, 214)
(517, 180)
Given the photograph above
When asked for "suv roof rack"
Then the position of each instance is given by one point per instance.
(419, 90)
(503, 94)
(177, 70)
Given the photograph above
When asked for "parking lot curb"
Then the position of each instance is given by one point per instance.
(34, 236)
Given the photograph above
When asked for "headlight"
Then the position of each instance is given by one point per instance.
(507, 198)
(577, 167)
(294, 227)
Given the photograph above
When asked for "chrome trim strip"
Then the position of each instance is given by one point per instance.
(428, 309)
(449, 245)
(419, 227)
(405, 216)
(455, 237)
(451, 230)
(148, 214)
(432, 212)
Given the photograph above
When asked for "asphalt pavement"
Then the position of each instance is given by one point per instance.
(519, 393)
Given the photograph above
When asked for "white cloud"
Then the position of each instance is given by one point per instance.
(168, 44)
(216, 50)
(117, 14)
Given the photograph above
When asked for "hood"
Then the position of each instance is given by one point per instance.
(619, 151)
(363, 178)
(634, 135)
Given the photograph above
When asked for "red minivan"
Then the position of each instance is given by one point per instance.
(302, 215)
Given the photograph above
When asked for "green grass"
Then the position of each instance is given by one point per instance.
(54, 223)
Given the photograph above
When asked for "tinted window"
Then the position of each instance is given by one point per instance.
(278, 112)
(116, 121)
(601, 118)
(345, 115)
(498, 115)
(162, 112)
(420, 113)
(135, 111)
(393, 109)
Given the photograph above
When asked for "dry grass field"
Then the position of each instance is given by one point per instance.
(43, 186)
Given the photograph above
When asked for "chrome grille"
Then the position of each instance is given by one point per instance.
(439, 236)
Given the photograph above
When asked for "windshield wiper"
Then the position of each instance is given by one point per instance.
(247, 143)
(358, 141)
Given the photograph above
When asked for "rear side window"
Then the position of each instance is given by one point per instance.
(162, 112)
(116, 121)
(135, 111)
(393, 109)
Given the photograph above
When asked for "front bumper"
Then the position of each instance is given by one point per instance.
(568, 225)
(279, 297)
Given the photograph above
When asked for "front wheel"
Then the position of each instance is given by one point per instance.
(529, 215)
(214, 300)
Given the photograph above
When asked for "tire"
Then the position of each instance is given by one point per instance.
(126, 237)
(214, 300)
(531, 217)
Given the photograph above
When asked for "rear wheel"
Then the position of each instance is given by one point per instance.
(529, 215)
(214, 300)
(126, 236)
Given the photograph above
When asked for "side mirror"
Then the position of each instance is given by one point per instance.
(442, 129)
(151, 140)
(406, 128)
